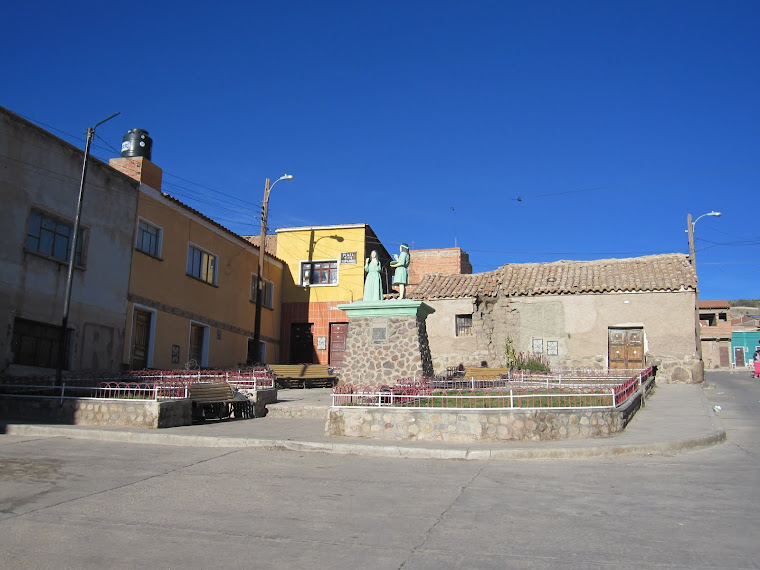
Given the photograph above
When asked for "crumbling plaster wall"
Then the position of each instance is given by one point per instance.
(577, 323)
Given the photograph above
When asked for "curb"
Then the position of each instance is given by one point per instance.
(390, 450)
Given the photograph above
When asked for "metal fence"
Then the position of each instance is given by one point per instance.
(139, 384)
(544, 392)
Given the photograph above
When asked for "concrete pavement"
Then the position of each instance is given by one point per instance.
(676, 418)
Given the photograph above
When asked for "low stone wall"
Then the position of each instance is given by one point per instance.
(97, 412)
(477, 425)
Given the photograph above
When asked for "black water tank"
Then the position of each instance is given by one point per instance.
(136, 143)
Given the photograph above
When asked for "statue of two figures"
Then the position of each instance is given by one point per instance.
(373, 285)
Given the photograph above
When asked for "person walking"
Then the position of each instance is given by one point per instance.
(756, 360)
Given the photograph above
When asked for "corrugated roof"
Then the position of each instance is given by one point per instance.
(666, 272)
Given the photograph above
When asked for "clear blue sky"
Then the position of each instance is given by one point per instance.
(520, 131)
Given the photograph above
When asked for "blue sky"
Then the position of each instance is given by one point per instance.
(519, 131)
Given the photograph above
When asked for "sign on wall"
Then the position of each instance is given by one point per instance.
(348, 257)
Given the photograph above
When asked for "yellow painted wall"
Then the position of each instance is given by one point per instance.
(326, 243)
(163, 286)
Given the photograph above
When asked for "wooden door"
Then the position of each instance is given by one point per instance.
(626, 348)
(723, 357)
(302, 343)
(195, 353)
(338, 334)
(140, 339)
(739, 356)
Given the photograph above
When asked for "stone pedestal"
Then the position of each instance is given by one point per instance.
(387, 341)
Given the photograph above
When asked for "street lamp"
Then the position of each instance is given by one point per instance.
(262, 253)
(72, 254)
(690, 230)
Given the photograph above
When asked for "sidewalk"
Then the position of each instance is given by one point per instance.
(676, 418)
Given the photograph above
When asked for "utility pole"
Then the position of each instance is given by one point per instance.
(72, 255)
(262, 254)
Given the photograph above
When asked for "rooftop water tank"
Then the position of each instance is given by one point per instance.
(136, 143)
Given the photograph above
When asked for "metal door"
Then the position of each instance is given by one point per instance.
(338, 334)
(626, 348)
(140, 339)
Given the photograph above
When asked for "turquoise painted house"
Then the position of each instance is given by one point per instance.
(743, 346)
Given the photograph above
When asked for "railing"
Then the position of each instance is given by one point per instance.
(252, 379)
(535, 393)
(111, 390)
(140, 384)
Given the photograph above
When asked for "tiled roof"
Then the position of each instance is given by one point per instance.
(666, 272)
(438, 286)
(714, 304)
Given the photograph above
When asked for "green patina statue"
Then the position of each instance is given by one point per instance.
(401, 275)
(373, 285)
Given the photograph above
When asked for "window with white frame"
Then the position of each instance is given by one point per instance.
(148, 238)
(319, 273)
(267, 300)
(52, 237)
(464, 325)
(201, 264)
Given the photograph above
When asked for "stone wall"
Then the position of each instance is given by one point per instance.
(463, 426)
(96, 412)
(404, 351)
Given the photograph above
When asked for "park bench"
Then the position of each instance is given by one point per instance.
(480, 373)
(216, 399)
(302, 375)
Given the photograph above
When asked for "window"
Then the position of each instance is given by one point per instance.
(251, 357)
(52, 238)
(268, 299)
(201, 265)
(148, 239)
(37, 344)
(319, 273)
(464, 325)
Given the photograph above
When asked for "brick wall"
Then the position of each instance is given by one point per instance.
(450, 261)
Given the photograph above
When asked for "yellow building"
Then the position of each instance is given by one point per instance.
(191, 301)
(325, 269)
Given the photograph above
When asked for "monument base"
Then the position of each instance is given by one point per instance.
(387, 342)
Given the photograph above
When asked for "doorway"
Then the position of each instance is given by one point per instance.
(338, 334)
(302, 343)
(626, 348)
(197, 351)
(141, 339)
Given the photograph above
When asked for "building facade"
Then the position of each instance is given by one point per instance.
(191, 300)
(39, 184)
(614, 313)
(325, 269)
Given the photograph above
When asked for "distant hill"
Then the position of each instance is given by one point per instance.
(746, 303)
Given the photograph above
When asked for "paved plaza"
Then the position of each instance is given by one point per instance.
(97, 502)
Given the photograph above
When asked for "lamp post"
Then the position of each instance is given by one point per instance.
(690, 230)
(262, 253)
(72, 255)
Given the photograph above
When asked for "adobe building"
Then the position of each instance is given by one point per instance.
(40, 190)
(602, 314)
